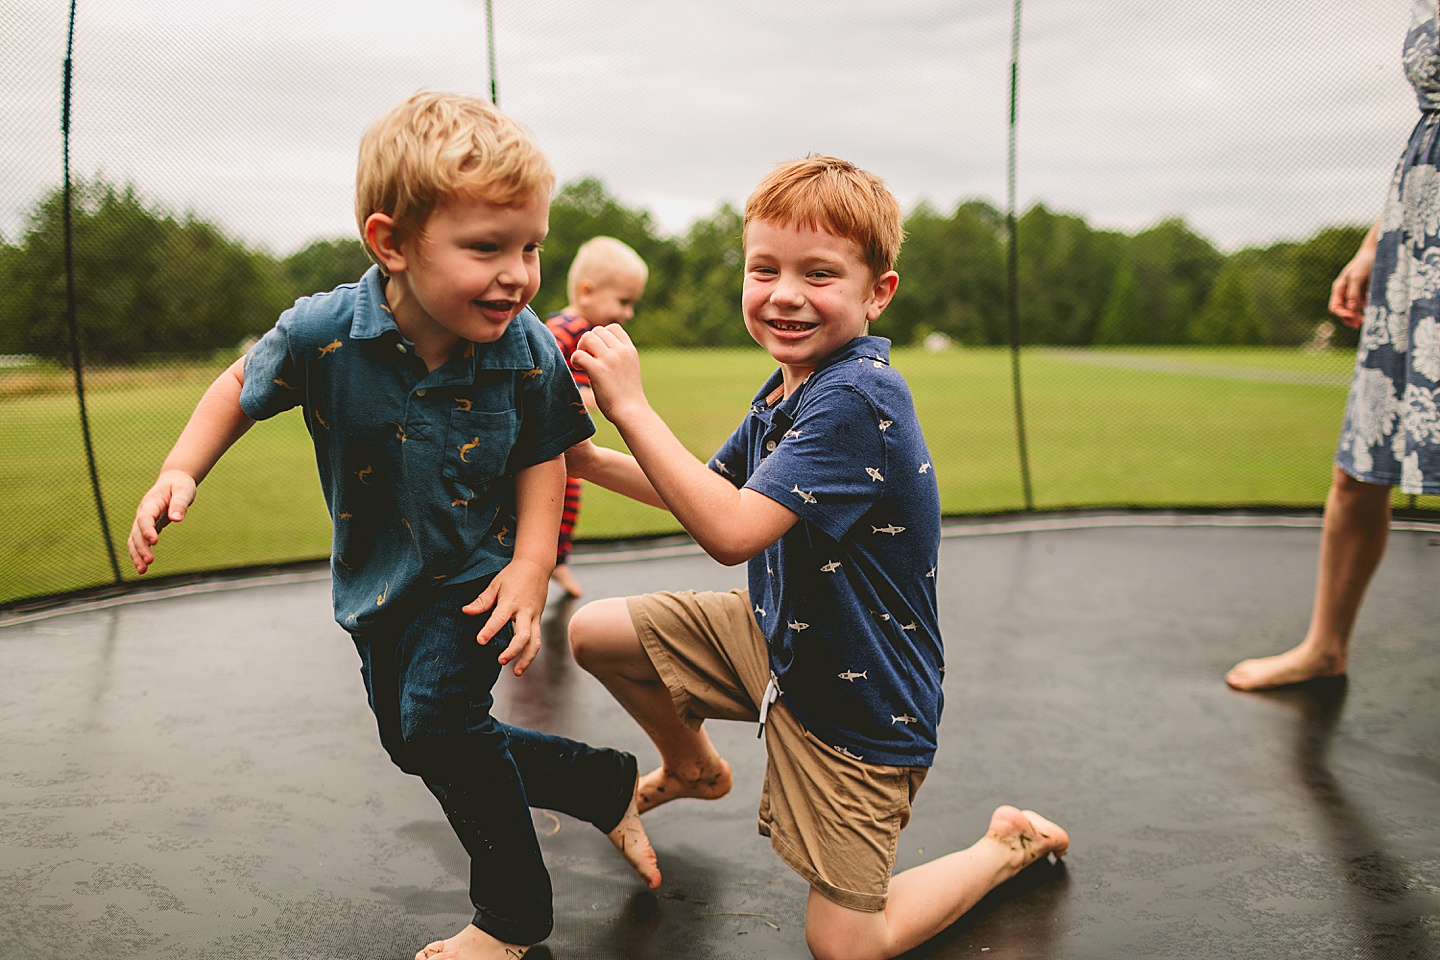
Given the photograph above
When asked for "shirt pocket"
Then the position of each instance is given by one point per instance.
(479, 445)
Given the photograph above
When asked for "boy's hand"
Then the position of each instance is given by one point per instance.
(579, 457)
(609, 357)
(165, 503)
(517, 593)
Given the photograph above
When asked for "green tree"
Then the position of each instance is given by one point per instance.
(1314, 265)
(1124, 319)
(1174, 270)
(1230, 317)
(1065, 273)
(952, 277)
(704, 307)
(145, 281)
(324, 265)
(10, 339)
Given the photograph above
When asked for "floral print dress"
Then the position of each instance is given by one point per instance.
(1391, 434)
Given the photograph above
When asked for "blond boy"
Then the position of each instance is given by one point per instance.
(439, 408)
(607, 278)
(828, 492)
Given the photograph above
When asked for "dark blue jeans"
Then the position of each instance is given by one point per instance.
(429, 684)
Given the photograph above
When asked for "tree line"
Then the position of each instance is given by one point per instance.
(150, 282)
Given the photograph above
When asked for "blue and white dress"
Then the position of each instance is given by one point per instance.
(1391, 434)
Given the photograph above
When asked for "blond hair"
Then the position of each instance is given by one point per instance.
(436, 145)
(825, 193)
(602, 260)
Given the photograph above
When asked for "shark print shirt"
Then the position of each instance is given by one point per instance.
(417, 467)
(848, 593)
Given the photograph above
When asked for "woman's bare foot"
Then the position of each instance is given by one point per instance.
(567, 581)
(709, 780)
(472, 943)
(631, 840)
(1295, 665)
(1026, 835)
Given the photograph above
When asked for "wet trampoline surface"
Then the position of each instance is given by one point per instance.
(198, 776)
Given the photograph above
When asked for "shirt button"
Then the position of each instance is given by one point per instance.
(421, 392)
(770, 446)
(400, 347)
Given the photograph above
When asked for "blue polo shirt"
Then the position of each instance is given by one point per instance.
(418, 467)
(846, 598)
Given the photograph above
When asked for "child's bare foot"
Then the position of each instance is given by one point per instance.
(472, 943)
(1296, 665)
(631, 840)
(709, 780)
(567, 581)
(1026, 835)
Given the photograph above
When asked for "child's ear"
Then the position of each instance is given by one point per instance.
(383, 239)
(881, 294)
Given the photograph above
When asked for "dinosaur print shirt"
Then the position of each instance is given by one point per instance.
(846, 598)
(418, 467)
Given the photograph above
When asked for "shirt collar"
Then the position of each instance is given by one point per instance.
(373, 320)
(874, 349)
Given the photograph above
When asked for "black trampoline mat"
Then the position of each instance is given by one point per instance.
(198, 776)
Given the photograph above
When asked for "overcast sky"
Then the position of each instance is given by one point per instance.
(1256, 121)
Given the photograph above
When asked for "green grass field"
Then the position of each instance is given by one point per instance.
(1169, 427)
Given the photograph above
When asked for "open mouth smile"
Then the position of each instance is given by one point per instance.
(496, 306)
(790, 326)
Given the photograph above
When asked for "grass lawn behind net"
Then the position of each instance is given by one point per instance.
(1170, 427)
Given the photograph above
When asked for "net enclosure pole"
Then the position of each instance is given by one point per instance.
(71, 319)
(490, 46)
(1012, 265)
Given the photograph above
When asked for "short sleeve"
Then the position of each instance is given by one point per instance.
(553, 417)
(731, 459)
(829, 466)
(274, 377)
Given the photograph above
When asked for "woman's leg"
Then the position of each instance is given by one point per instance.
(1352, 543)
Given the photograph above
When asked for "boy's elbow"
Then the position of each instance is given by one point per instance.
(731, 553)
(729, 558)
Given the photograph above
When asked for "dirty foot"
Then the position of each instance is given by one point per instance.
(1026, 835)
(472, 943)
(567, 581)
(631, 840)
(1295, 665)
(704, 781)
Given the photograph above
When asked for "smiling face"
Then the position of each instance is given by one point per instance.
(470, 271)
(807, 293)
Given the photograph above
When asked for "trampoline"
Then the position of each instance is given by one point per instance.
(168, 791)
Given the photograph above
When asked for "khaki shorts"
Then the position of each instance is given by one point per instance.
(834, 820)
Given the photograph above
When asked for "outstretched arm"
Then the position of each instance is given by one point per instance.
(218, 421)
(1352, 287)
(517, 593)
(729, 524)
(612, 470)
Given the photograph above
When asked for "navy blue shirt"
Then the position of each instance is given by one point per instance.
(846, 598)
(418, 467)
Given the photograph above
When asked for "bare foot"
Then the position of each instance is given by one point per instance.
(1027, 836)
(1295, 665)
(709, 780)
(631, 840)
(567, 581)
(472, 943)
